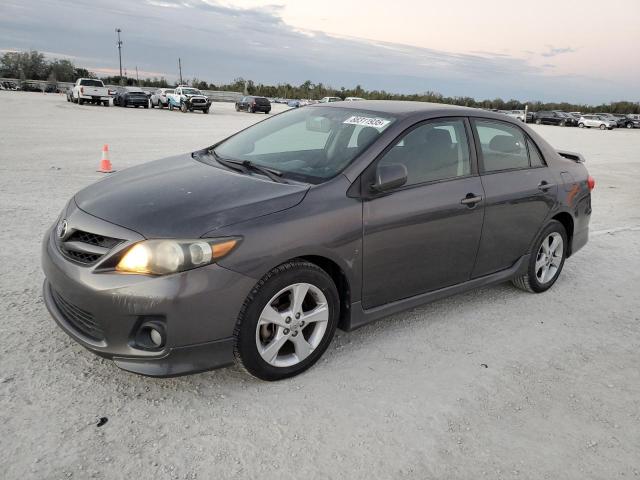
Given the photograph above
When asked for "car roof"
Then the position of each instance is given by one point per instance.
(400, 108)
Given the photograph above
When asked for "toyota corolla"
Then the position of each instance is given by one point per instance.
(257, 248)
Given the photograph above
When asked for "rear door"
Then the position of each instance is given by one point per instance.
(520, 192)
(424, 235)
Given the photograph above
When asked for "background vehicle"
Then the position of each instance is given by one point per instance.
(552, 118)
(353, 99)
(330, 99)
(595, 121)
(320, 217)
(517, 114)
(635, 121)
(624, 121)
(159, 97)
(253, 104)
(131, 96)
(7, 85)
(90, 90)
(617, 122)
(188, 99)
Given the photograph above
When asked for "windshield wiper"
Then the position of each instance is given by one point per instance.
(245, 166)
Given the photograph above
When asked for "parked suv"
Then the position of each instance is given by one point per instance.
(611, 118)
(159, 97)
(552, 118)
(596, 121)
(253, 104)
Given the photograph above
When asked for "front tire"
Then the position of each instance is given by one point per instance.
(581, 125)
(287, 321)
(603, 127)
(547, 259)
(183, 107)
(538, 122)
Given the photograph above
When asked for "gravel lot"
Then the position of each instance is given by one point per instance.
(491, 384)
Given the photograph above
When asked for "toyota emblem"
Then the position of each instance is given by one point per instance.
(62, 229)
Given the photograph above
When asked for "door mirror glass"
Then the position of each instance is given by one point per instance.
(390, 176)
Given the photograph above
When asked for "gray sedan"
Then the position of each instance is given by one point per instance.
(257, 248)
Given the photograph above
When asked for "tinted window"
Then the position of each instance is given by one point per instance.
(534, 155)
(433, 151)
(91, 83)
(503, 146)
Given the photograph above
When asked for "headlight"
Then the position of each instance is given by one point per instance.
(160, 257)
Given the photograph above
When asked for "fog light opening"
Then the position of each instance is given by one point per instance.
(150, 336)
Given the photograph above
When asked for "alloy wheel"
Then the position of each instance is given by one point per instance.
(549, 258)
(292, 325)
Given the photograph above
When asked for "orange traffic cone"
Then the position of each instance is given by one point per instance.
(105, 163)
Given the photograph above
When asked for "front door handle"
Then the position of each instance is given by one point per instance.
(471, 200)
(544, 186)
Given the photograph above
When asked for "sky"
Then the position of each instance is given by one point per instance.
(551, 50)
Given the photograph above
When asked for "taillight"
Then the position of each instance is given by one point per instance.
(591, 182)
(81, 90)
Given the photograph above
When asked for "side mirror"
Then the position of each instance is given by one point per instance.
(389, 176)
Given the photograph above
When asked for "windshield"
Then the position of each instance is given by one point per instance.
(309, 144)
(191, 91)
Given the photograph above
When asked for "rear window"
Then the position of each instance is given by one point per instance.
(261, 101)
(91, 83)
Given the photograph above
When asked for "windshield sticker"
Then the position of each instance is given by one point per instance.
(378, 123)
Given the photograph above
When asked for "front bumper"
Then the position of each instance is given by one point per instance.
(198, 105)
(104, 310)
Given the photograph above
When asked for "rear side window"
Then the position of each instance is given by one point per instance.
(503, 146)
(534, 155)
(433, 151)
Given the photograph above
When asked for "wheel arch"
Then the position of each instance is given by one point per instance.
(566, 220)
(340, 280)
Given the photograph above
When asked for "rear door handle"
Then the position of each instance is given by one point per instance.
(544, 186)
(471, 199)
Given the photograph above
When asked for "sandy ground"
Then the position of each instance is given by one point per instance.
(491, 384)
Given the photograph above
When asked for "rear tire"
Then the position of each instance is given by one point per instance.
(538, 122)
(80, 101)
(546, 261)
(629, 125)
(581, 125)
(273, 315)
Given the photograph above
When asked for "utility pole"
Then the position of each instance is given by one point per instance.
(180, 68)
(119, 44)
(137, 78)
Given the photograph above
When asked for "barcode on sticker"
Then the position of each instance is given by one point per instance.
(367, 121)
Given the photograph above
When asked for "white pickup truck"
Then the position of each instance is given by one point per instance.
(90, 90)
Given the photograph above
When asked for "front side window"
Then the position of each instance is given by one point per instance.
(308, 144)
(433, 151)
(503, 146)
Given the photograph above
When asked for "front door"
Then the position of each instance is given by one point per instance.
(424, 235)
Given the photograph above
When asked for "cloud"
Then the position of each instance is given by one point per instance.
(217, 43)
(552, 52)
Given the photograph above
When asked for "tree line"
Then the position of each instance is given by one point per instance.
(34, 66)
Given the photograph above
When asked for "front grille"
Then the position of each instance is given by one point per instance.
(198, 100)
(86, 247)
(81, 256)
(93, 239)
(79, 319)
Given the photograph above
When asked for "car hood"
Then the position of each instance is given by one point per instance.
(180, 197)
